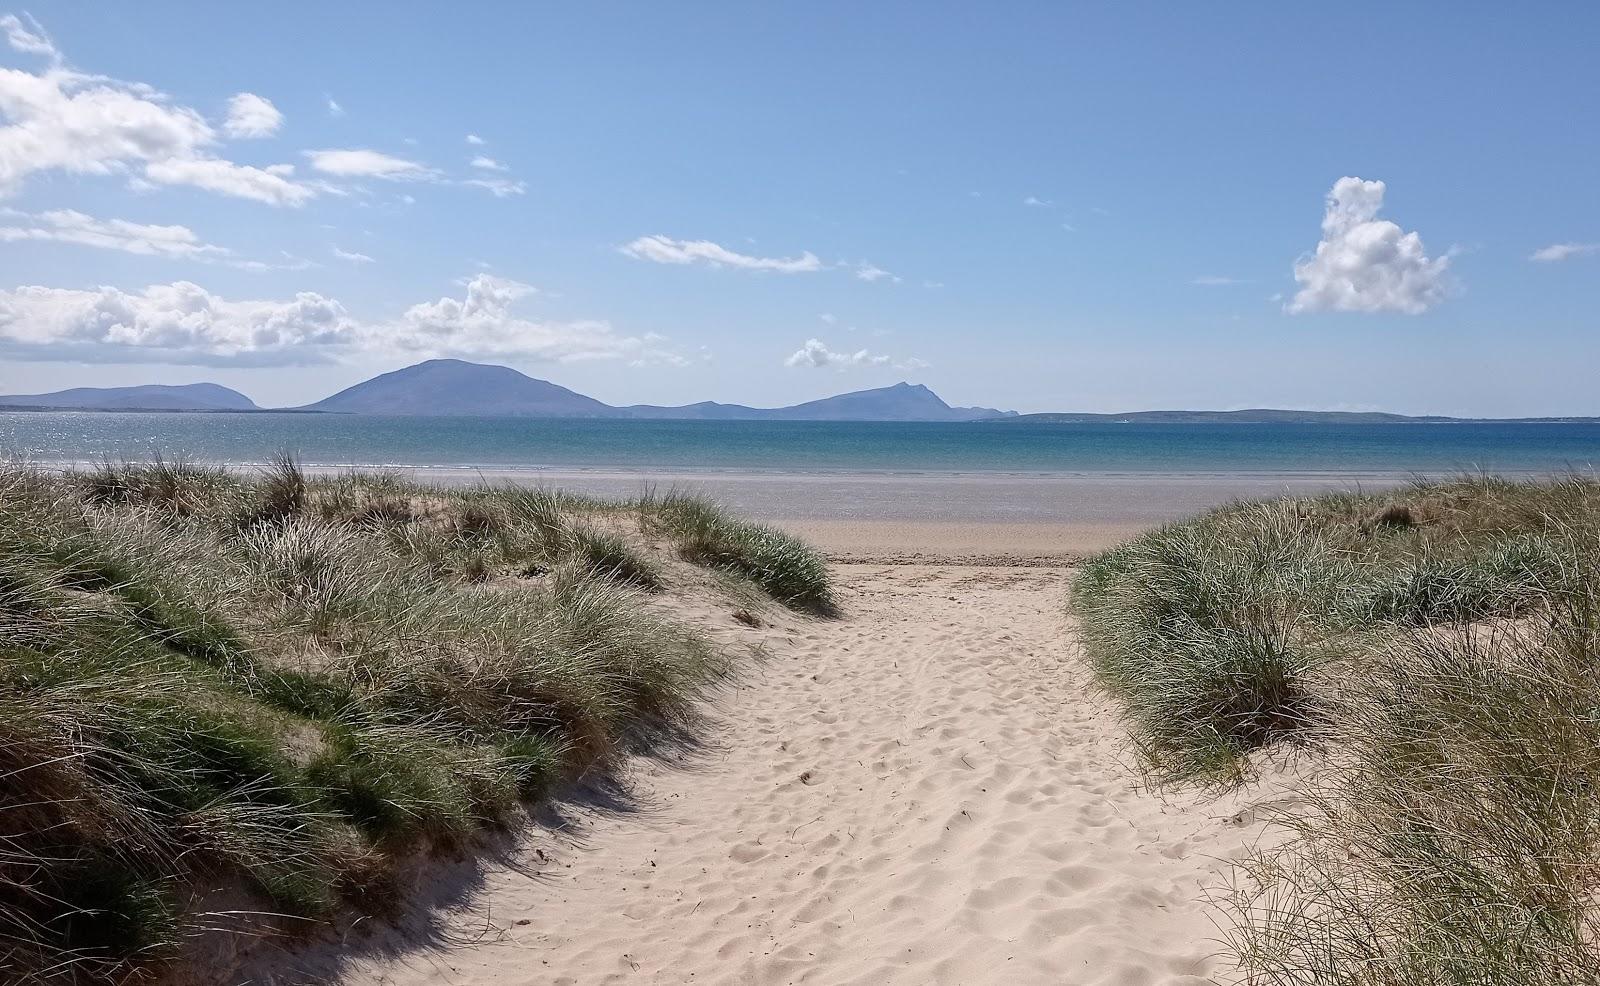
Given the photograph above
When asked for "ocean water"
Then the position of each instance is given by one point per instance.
(688, 447)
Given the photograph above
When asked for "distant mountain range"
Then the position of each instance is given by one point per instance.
(455, 387)
(149, 397)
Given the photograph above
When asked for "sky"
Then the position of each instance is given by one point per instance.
(1028, 206)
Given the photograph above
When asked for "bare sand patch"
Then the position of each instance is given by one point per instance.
(922, 791)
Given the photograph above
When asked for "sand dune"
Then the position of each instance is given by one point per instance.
(920, 792)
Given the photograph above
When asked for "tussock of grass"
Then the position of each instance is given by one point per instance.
(786, 568)
(1459, 839)
(1437, 648)
(289, 685)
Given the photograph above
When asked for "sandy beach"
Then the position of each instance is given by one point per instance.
(923, 790)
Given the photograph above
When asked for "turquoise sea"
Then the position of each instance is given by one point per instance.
(804, 447)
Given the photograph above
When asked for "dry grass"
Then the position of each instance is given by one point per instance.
(1436, 649)
(290, 685)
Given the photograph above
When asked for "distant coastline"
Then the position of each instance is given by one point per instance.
(456, 388)
(1264, 416)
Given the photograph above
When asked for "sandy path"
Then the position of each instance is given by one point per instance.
(922, 792)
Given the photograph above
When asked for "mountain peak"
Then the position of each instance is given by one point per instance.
(457, 387)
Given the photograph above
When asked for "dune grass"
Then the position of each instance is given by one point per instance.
(1436, 650)
(786, 568)
(290, 686)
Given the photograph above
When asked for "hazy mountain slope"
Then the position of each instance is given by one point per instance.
(901, 402)
(456, 387)
(149, 397)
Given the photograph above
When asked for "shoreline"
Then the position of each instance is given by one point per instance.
(964, 518)
(457, 473)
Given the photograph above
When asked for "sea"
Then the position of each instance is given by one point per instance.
(978, 471)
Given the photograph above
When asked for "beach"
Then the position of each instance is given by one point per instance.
(922, 789)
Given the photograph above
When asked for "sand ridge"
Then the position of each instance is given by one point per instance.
(923, 791)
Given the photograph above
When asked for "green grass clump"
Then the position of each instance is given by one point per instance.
(1457, 838)
(289, 685)
(1436, 649)
(786, 568)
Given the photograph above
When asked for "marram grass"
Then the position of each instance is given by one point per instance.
(1436, 651)
(289, 685)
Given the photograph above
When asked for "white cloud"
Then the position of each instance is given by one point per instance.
(226, 178)
(500, 187)
(251, 116)
(289, 262)
(664, 250)
(474, 139)
(63, 120)
(1366, 264)
(482, 324)
(871, 272)
(913, 364)
(334, 109)
(488, 164)
(178, 322)
(816, 354)
(184, 323)
(1563, 251)
(829, 318)
(28, 38)
(363, 163)
(353, 257)
(70, 226)
(1038, 203)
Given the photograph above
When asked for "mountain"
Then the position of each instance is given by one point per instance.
(456, 387)
(901, 402)
(150, 397)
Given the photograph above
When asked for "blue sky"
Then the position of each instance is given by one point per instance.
(1033, 206)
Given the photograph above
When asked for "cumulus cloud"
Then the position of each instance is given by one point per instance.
(179, 322)
(1563, 251)
(1037, 203)
(352, 256)
(364, 163)
(816, 354)
(186, 324)
(63, 120)
(71, 226)
(474, 139)
(488, 164)
(251, 116)
(1366, 264)
(664, 250)
(334, 109)
(483, 324)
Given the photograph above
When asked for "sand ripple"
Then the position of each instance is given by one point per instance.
(922, 792)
